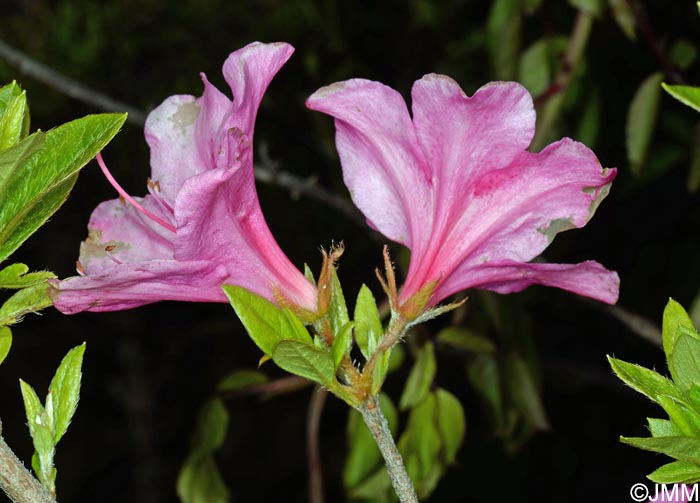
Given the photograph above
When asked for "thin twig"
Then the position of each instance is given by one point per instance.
(65, 85)
(638, 324)
(279, 386)
(16, 481)
(313, 451)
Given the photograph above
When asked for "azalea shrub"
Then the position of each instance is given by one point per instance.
(402, 330)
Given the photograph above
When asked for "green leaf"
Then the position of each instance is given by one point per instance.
(684, 361)
(451, 423)
(688, 95)
(646, 381)
(23, 154)
(41, 432)
(211, 427)
(622, 12)
(675, 322)
(5, 342)
(266, 323)
(7, 93)
(422, 440)
(342, 343)
(420, 379)
(465, 340)
(199, 481)
(338, 310)
(33, 191)
(676, 472)
(64, 391)
(684, 420)
(25, 301)
(368, 325)
(32, 406)
(241, 379)
(15, 276)
(305, 360)
(14, 121)
(641, 120)
(363, 456)
(524, 391)
(662, 428)
(504, 27)
(681, 448)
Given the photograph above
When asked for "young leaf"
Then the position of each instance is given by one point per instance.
(266, 323)
(14, 121)
(684, 420)
(241, 379)
(25, 301)
(342, 343)
(5, 342)
(338, 310)
(32, 406)
(368, 325)
(64, 391)
(641, 120)
(681, 448)
(381, 368)
(15, 276)
(33, 191)
(688, 95)
(305, 360)
(465, 340)
(645, 381)
(451, 423)
(199, 481)
(675, 322)
(363, 456)
(41, 432)
(420, 379)
(7, 93)
(676, 472)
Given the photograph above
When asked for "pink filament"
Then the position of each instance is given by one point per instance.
(130, 199)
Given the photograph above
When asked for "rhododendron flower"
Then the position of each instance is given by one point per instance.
(201, 226)
(456, 185)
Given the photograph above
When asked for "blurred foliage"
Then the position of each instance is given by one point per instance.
(542, 407)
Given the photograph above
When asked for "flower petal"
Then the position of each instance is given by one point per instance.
(131, 285)
(383, 165)
(589, 279)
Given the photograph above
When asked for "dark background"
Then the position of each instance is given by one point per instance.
(147, 371)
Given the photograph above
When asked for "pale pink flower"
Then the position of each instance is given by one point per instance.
(456, 185)
(201, 226)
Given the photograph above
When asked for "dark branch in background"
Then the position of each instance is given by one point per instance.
(313, 451)
(65, 85)
(651, 40)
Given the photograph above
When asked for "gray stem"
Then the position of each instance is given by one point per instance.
(376, 422)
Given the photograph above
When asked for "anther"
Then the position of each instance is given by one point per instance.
(79, 268)
(108, 252)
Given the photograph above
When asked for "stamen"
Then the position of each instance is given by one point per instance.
(154, 190)
(108, 250)
(130, 199)
(79, 268)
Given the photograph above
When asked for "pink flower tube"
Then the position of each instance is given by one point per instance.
(455, 184)
(201, 225)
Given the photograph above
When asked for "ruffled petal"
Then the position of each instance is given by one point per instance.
(589, 279)
(131, 285)
(209, 127)
(383, 165)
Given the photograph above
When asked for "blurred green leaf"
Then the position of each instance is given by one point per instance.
(420, 379)
(240, 379)
(504, 26)
(25, 301)
(523, 389)
(305, 360)
(641, 120)
(34, 190)
(15, 276)
(534, 71)
(661, 428)
(676, 322)
(682, 54)
(676, 472)
(594, 7)
(14, 121)
(338, 310)
(622, 12)
(5, 342)
(368, 325)
(645, 381)
(451, 423)
(363, 456)
(688, 95)
(465, 340)
(684, 362)
(342, 343)
(64, 391)
(589, 125)
(199, 481)
(211, 427)
(681, 448)
(421, 444)
(485, 378)
(693, 184)
(266, 323)
(530, 6)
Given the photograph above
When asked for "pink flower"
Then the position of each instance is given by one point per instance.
(456, 185)
(201, 226)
